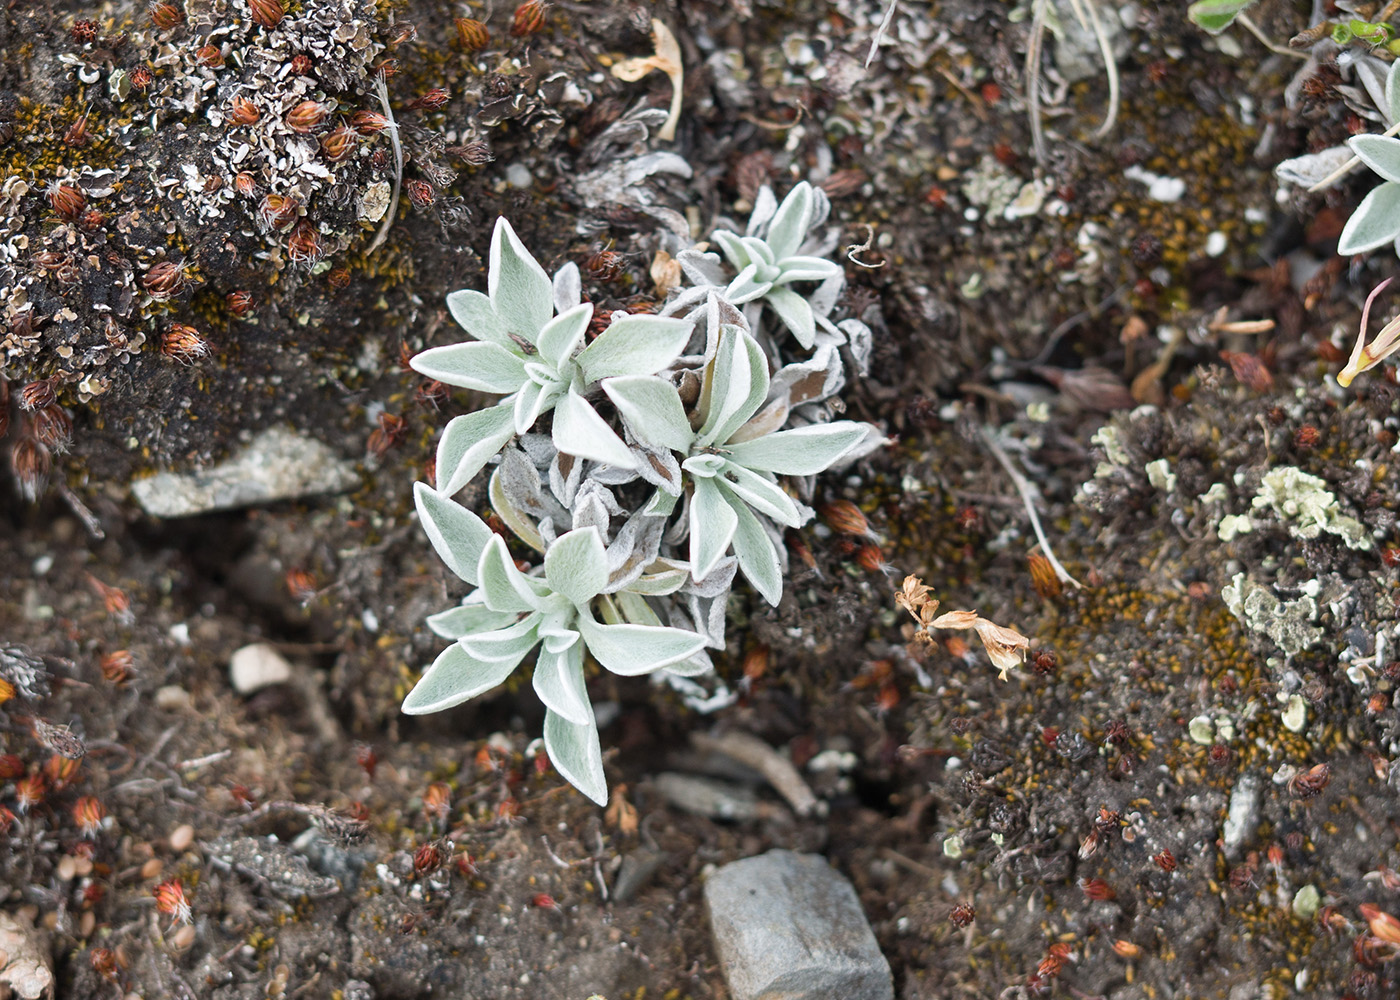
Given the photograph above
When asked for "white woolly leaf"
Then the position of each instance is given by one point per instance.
(503, 587)
(712, 524)
(475, 314)
(469, 616)
(760, 493)
(634, 345)
(735, 387)
(801, 451)
(509, 643)
(458, 536)
(576, 565)
(453, 678)
(1379, 152)
(577, 755)
(468, 443)
(561, 336)
(578, 430)
(520, 291)
(631, 650)
(653, 411)
(795, 312)
(791, 222)
(475, 364)
(758, 560)
(559, 683)
(1375, 222)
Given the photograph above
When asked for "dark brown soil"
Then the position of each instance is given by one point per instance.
(943, 783)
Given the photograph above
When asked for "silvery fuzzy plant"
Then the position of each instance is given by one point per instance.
(678, 447)
(1376, 221)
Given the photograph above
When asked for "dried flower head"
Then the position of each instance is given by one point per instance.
(240, 303)
(420, 193)
(170, 900)
(369, 122)
(30, 461)
(88, 813)
(65, 199)
(268, 13)
(52, 427)
(166, 14)
(29, 792)
(77, 135)
(84, 31)
(339, 143)
(276, 211)
(38, 394)
(183, 343)
(432, 100)
(117, 666)
(307, 115)
(471, 34)
(141, 77)
(304, 246)
(529, 18)
(242, 111)
(164, 280)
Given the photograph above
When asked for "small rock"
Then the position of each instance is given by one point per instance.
(1242, 817)
(788, 927)
(277, 465)
(257, 666)
(172, 698)
(25, 972)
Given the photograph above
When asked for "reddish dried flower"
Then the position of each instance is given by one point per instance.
(60, 771)
(1117, 733)
(1391, 557)
(77, 134)
(1242, 876)
(117, 667)
(871, 559)
(170, 900)
(1306, 437)
(240, 303)
(391, 431)
(1219, 755)
(1044, 662)
(302, 64)
(244, 184)
(338, 278)
(166, 14)
(1043, 577)
(268, 13)
(508, 809)
(210, 55)
(7, 819)
(1096, 889)
(385, 68)
(427, 859)
(466, 865)
(544, 901)
(937, 197)
(1249, 369)
(140, 77)
(92, 220)
(437, 801)
(276, 211)
(529, 18)
(1310, 783)
(10, 766)
(242, 111)
(29, 792)
(845, 517)
(367, 759)
(164, 280)
(183, 343)
(1377, 703)
(1382, 924)
(52, 427)
(431, 100)
(420, 193)
(471, 34)
(797, 547)
(406, 32)
(84, 31)
(307, 115)
(431, 393)
(104, 963)
(474, 153)
(369, 122)
(962, 915)
(88, 813)
(339, 143)
(301, 585)
(38, 394)
(757, 661)
(30, 461)
(304, 245)
(1090, 845)
(604, 265)
(65, 199)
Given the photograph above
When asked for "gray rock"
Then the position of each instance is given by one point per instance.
(276, 465)
(256, 666)
(789, 927)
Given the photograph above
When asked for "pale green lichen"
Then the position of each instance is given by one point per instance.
(1160, 475)
(1285, 622)
(1304, 501)
(1234, 524)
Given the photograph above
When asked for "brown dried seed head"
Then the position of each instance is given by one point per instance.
(304, 245)
(38, 394)
(141, 77)
(369, 122)
(339, 143)
(420, 193)
(240, 303)
(65, 199)
(1126, 949)
(183, 343)
(529, 18)
(210, 55)
(164, 280)
(244, 184)
(276, 211)
(1249, 369)
(431, 100)
(30, 461)
(84, 31)
(1043, 577)
(268, 13)
(302, 64)
(88, 813)
(242, 111)
(307, 115)
(472, 34)
(339, 278)
(53, 428)
(92, 220)
(104, 963)
(166, 14)
(59, 771)
(118, 666)
(473, 153)
(1382, 924)
(77, 134)
(427, 859)
(844, 517)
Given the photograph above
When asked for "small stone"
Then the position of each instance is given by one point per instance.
(277, 465)
(26, 972)
(257, 666)
(788, 925)
(1242, 816)
(182, 837)
(172, 698)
